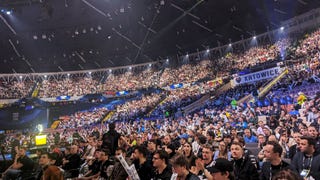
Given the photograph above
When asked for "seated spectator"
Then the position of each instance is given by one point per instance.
(273, 153)
(181, 169)
(118, 172)
(49, 170)
(22, 166)
(106, 162)
(143, 167)
(71, 163)
(161, 164)
(222, 170)
(222, 152)
(93, 164)
(243, 167)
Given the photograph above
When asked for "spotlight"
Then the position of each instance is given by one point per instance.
(130, 68)
(150, 65)
(8, 12)
(230, 45)
(187, 55)
(254, 37)
(167, 60)
(208, 50)
(282, 28)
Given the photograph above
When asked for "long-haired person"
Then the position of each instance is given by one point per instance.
(187, 151)
(222, 152)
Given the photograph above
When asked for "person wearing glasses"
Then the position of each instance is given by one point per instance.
(163, 170)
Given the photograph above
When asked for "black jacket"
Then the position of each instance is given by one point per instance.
(266, 167)
(110, 141)
(165, 175)
(300, 162)
(245, 170)
(145, 170)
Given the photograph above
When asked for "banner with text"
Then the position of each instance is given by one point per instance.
(257, 76)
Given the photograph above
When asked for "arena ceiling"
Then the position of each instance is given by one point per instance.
(64, 35)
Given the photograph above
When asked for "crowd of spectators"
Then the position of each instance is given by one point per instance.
(187, 73)
(130, 110)
(202, 138)
(15, 89)
(83, 118)
(218, 141)
(131, 80)
(75, 86)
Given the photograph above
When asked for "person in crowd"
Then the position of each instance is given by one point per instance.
(22, 166)
(243, 167)
(187, 151)
(90, 149)
(313, 131)
(180, 168)
(15, 145)
(307, 162)
(261, 141)
(71, 163)
(274, 163)
(286, 142)
(118, 172)
(93, 166)
(247, 153)
(222, 170)
(207, 155)
(222, 152)
(49, 170)
(152, 148)
(296, 147)
(143, 167)
(110, 139)
(163, 170)
(106, 164)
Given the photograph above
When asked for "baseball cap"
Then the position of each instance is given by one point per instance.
(221, 165)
